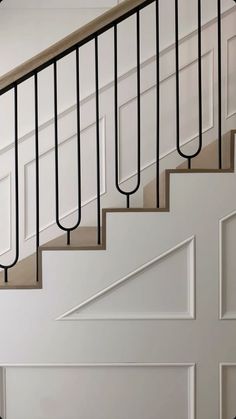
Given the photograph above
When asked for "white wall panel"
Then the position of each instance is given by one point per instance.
(2, 392)
(228, 266)
(231, 76)
(101, 392)
(227, 391)
(163, 288)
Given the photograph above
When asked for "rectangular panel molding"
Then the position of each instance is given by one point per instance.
(227, 390)
(140, 390)
(227, 266)
(152, 291)
(231, 78)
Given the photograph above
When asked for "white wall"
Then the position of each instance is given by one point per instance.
(24, 32)
(28, 26)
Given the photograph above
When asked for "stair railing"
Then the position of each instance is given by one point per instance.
(73, 43)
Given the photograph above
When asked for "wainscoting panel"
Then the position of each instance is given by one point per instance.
(227, 266)
(163, 288)
(102, 391)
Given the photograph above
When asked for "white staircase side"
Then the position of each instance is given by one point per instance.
(32, 335)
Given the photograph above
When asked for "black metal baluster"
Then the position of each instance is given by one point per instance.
(138, 102)
(116, 111)
(97, 143)
(157, 106)
(177, 73)
(128, 193)
(219, 85)
(56, 144)
(200, 69)
(7, 267)
(37, 173)
(78, 136)
(68, 230)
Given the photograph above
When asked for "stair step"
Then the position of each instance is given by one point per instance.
(84, 236)
(208, 158)
(23, 274)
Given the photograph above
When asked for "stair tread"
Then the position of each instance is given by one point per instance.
(25, 269)
(84, 236)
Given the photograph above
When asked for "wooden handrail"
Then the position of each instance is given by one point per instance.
(87, 32)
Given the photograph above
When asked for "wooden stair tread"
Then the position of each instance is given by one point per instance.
(23, 273)
(84, 236)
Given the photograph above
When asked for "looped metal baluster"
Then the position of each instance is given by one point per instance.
(76, 225)
(186, 156)
(7, 267)
(128, 194)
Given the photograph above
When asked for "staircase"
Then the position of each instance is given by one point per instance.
(144, 188)
(130, 216)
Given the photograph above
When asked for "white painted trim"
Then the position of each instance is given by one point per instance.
(192, 392)
(101, 364)
(228, 115)
(221, 390)
(4, 394)
(222, 365)
(137, 316)
(232, 315)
